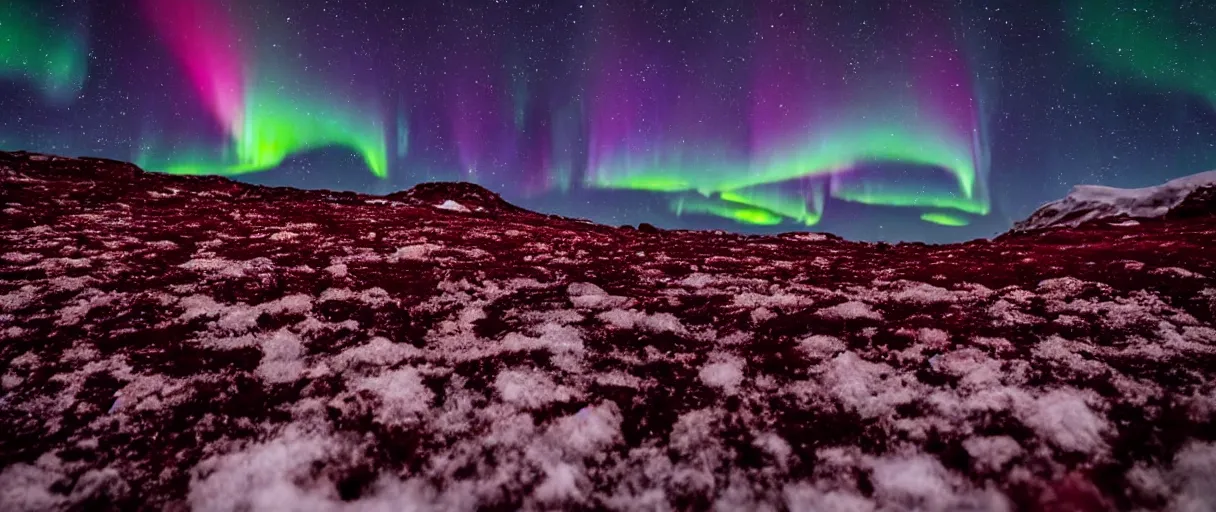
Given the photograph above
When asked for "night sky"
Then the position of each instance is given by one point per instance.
(926, 120)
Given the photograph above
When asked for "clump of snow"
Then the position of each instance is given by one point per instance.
(762, 314)
(585, 290)
(1194, 473)
(20, 257)
(281, 358)
(872, 389)
(554, 337)
(1063, 417)
(71, 284)
(923, 294)
(851, 310)
(1005, 313)
(402, 394)
(336, 294)
(561, 484)
(629, 319)
(84, 303)
(199, 306)
(29, 487)
(1178, 272)
(726, 373)
(18, 299)
(807, 497)
(530, 388)
(12, 332)
(1090, 202)
(976, 369)
(1199, 334)
(283, 235)
(991, 453)
(589, 430)
(277, 475)
(933, 337)
(810, 237)
(698, 280)
(590, 296)
(208, 264)
(821, 346)
(1065, 288)
(412, 252)
(918, 482)
(337, 270)
(452, 205)
(297, 303)
(775, 300)
(378, 351)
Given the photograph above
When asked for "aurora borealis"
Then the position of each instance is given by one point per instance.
(939, 120)
(266, 119)
(46, 54)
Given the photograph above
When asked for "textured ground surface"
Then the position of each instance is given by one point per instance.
(175, 343)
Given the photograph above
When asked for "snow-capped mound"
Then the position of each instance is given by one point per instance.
(470, 196)
(1091, 202)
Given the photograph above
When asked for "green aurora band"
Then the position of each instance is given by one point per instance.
(52, 59)
(823, 158)
(945, 219)
(1149, 41)
(266, 113)
(739, 212)
(276, 127)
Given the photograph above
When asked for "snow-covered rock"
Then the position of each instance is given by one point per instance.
(1092, 202)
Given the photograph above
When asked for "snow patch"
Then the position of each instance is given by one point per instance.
(378, 351)
(821, 346)
(629, 319)
(726, 374)
(1063, 417)
(590, 296)
(281, 358)
(872, 389)
(20, 258)
(1194, 473)
(1178, 272)
(452, 206)
(18, 299)
(415, 252)
(402, 394)
(851, 310)
(530, 389)
(698, 280)
(990, 454)
(924, 294)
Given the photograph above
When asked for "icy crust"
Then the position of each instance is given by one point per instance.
(192, 343)
(1092, 202)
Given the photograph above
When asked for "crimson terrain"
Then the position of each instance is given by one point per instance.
(176, 343)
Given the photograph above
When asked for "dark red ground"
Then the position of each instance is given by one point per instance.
(173, 342)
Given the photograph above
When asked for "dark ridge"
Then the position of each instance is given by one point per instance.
(1200, 203)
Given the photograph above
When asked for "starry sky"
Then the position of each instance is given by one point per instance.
(933, 120)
